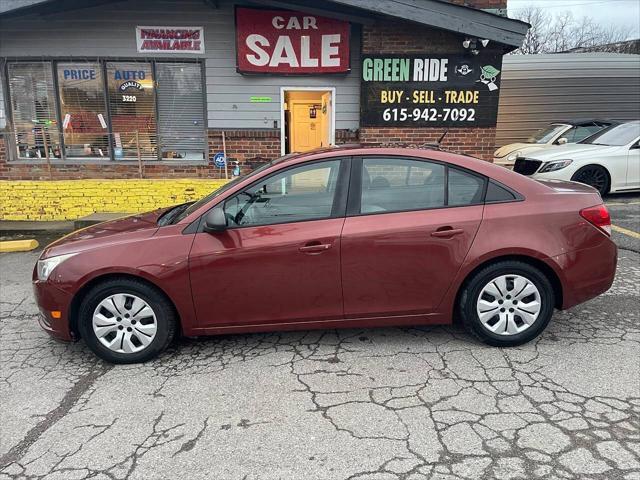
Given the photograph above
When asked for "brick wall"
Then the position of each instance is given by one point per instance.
(395, 37)
(72, 199)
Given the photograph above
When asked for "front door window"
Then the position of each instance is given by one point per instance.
(300, 193)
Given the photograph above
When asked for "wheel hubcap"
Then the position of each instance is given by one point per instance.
(508, 304)
(124, 323)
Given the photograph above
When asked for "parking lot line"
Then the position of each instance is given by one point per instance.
(625, 231)
(620, 204)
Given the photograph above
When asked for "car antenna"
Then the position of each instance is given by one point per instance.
(442, 137)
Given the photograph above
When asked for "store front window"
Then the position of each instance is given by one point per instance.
(107, 110)
(83, 110)
(133, 109)
(180, 111)
(33, 110)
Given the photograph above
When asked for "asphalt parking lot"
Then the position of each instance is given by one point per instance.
(398, 403)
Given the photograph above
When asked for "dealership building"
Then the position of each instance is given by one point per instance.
(161, 89)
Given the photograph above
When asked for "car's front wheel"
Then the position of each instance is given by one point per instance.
(126, 321)
(595, 176)
(507, 303)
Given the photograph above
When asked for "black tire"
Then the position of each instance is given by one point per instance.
(595, 176)
(473, 287)
(165, 315)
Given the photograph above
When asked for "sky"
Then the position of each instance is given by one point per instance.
(625, 13)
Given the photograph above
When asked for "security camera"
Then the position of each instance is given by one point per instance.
(466, 43)
(484, 42)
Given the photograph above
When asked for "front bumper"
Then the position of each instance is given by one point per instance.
(503, 162)
(51, 298)
(588, 272)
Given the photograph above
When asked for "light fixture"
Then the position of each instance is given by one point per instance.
(466, 43)
(484, 42)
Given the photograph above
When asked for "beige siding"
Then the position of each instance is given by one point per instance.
(539, 89)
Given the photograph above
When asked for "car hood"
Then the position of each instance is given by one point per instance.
(512, 147)
(123, 229)
(575, 151)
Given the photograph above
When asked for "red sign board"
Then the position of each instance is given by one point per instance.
(285, 42)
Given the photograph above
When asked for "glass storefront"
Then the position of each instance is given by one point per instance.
(119, 110)
(33, 110)
(133, 110)
(83, 110)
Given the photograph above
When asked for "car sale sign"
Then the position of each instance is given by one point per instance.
(285, 42)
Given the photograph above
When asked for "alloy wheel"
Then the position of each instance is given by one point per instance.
(592, 176)
(508, 304)
(124, 323)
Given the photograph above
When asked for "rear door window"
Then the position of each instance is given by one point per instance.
(464, 188)
(397, 184)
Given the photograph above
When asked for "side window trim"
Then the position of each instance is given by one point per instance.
(339, 200)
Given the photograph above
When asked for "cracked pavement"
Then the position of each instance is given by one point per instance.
(378, 404)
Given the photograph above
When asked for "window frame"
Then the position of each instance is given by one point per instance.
(102, 61)
(338, 208)
(355, 185)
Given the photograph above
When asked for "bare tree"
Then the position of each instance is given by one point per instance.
(562, 32)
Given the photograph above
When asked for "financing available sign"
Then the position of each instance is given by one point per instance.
(170, 39)
(430, 90)
(286, 42)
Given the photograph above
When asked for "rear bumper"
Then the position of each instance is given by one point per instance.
(50, 298)
(587, 273)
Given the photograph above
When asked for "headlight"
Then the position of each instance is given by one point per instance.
(555, 165)
(512, 156)
(46, 266)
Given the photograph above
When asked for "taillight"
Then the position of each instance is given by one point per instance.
(598, 215)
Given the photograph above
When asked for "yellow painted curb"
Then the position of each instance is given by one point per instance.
(625, 231)
(18, 245)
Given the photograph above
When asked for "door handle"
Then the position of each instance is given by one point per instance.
(315, 247)
(446, 232)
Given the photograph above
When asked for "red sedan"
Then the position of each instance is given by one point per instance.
(346, 237)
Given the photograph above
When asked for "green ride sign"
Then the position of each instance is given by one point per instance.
(430, 90)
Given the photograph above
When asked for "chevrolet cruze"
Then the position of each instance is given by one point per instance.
(344, 237)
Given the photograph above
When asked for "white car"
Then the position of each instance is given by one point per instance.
(557, 133)
(609, 161)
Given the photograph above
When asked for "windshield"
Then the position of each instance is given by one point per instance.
(195, 206)
(615, 136)
(545, 135)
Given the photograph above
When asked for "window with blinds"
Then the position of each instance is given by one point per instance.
(3, 117)
(32, 100)
(83, 110)
(181, 122)
(132, 105)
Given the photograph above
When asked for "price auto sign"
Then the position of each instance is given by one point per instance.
(430, 90)
(285, 42)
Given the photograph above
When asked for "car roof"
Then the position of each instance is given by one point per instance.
(426, 152)
(584, 122)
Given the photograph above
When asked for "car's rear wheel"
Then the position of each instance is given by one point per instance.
(595, 176)
(126, 321)
(507, 303)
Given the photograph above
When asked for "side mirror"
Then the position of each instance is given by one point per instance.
(215, 220)
(562, 141)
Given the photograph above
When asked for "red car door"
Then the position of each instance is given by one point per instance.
(407, 233)
(279, 259)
